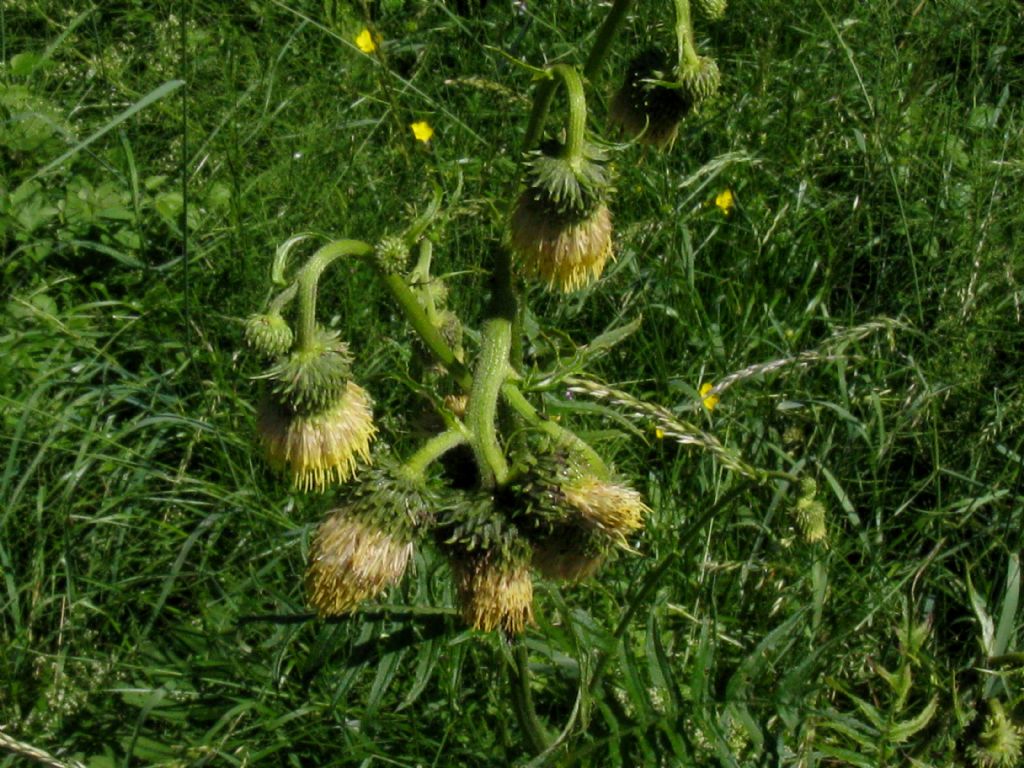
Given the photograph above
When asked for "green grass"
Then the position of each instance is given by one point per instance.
(151, 600)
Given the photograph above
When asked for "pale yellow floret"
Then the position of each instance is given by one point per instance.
(566, 256)
(495, 595)
(351, 561)
(615, 509)
(323, 448)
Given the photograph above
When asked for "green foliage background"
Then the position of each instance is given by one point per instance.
(151, 606)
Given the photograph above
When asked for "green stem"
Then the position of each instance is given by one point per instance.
(491, 372)
(518, 402)
(282, 299)
(545, 92)
(605, 35)
(432, 450)
(576, 129)
(428, 332)
(309, 277)
(688, 58)
(522, 699)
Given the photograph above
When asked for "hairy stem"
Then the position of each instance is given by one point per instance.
(418, 319)
(605, 35)
(433, 449)
(309, 278)
(491, 372)
(688, 58)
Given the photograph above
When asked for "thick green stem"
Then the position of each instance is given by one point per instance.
(605, 35)
(491, 372)
(432, 450)
(308, 279)
(428, 332)
(576, 128)
(522, 699)
(688, 58)
(518, 402)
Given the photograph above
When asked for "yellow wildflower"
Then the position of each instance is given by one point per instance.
(365, 41)
(422, 131)
(659, 433)
(710, 401)
(725, 201)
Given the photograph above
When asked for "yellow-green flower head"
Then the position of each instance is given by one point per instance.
(614, 509)
(495, 590)
(713, 10)
(268, 334)
(569, 553)
(321, 448)
(1000, 744)
(313, 380)
(351, 561)
(701, 81)
(566, 255)
(561, 228)
(649, 105)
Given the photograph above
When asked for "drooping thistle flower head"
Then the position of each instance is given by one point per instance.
(561, 228)
(268, 334)
(1000, 744)
(315, 422)
(649, 104)
(614, 509)
(574, 518)
(490, 560)
(364, 546)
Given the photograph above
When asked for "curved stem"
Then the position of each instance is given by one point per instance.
(492, 369)
(560, 434)
(576, 128)
(309, 277)
(432, 450)
(522, 699)
(428, 332)
(688, 58)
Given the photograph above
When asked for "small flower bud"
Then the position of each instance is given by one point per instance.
(392, 254)
(268, 334)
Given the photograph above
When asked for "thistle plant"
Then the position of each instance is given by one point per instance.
(538, 498)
